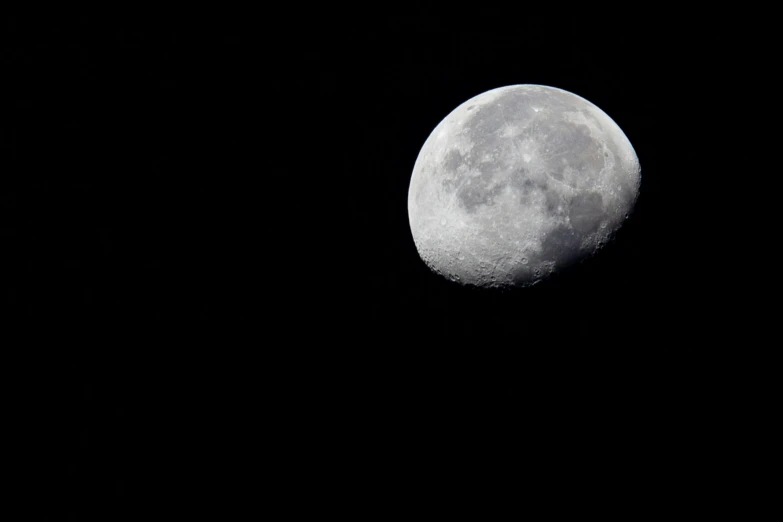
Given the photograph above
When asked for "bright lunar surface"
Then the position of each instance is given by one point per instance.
(517, 183)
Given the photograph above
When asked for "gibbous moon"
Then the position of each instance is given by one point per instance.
(517, 183)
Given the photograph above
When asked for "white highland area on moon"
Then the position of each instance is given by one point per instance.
(518, 182)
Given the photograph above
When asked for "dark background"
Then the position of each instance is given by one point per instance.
(206, 250)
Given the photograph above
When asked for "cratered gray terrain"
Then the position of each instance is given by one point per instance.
(517, 183)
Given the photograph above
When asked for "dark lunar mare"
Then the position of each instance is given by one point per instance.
(514, 108)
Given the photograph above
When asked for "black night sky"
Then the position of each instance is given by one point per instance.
(205, 243)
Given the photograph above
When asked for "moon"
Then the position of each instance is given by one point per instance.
(517, 183)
